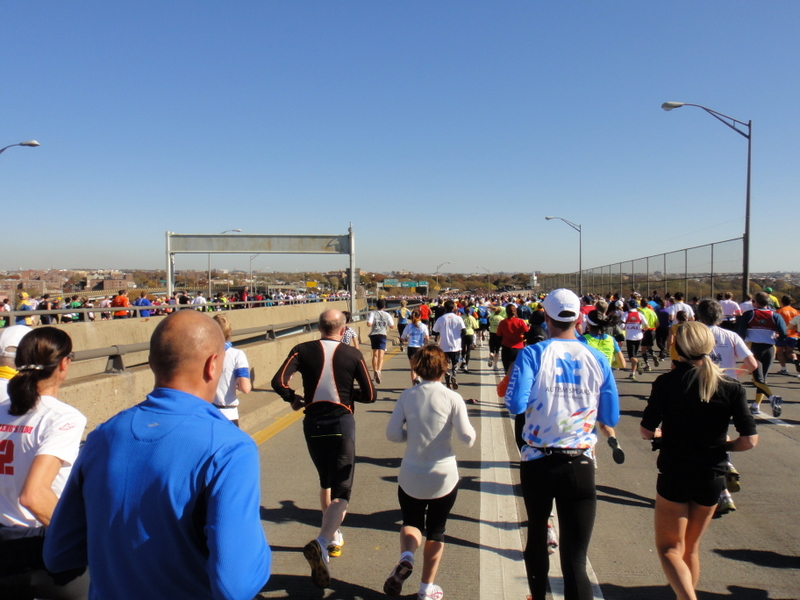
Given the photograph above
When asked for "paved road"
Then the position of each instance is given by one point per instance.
(751, 554)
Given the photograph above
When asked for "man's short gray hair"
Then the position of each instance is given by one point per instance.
(709, 312)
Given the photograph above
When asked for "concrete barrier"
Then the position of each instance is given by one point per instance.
(100, 396)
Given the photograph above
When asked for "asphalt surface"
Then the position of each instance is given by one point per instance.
(751, 554)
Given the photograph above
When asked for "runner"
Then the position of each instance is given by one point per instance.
(598, 324)
(728, 349)
(693, 405)
(416, 336)
(403, 314)
(785, 347)
(329, 370)
(471, 325)
(483, 322)
(350, 336)
(449, 327)
(552, 382)
(41, 436)
(495, 341)
(635, 325)
(511, 331)
(381, 322)
(426, 417)
(761, 326)
(235, 375)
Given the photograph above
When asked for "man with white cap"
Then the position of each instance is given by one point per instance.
(563, 386)
(10, 337)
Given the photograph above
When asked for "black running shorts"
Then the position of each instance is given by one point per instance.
(683, 487)
(331, 443)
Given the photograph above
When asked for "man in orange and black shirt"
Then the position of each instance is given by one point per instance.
(329, 370)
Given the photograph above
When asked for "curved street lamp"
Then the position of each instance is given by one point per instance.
(732, 123)
(577, 228)
(447, 262)
(209, 260)
(29, 143)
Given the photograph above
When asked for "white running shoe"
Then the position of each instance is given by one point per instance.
(434, 593)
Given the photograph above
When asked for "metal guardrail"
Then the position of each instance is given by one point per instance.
(164, 309)
(262, 333)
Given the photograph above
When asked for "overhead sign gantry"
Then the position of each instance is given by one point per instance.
(203, 243)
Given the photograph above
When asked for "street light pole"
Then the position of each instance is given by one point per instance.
(251, 269)
(732, 123)
(29, 143)
(209, 260)
(447, 262)
(577, 228)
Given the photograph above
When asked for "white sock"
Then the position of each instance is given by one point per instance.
(408, 557)
(323, 542)
(424, 588)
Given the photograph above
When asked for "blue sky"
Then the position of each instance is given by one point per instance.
(444, 131)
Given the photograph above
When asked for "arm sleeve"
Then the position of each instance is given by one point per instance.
(740, 349)
(654, 411)
(523, 375)
(780, 324)
(608, 402)
(463, 428)
(743, 419)
(280, 381)
(743, 322)
(395, 430)
(63, 437)
(239, 558)
(368, 393)
(241, 366)
(65, 545)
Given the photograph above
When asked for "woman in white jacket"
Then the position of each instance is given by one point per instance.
(426, 417)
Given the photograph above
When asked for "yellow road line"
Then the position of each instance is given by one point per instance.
(262, 436)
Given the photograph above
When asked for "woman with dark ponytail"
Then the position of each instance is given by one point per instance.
(39, 441)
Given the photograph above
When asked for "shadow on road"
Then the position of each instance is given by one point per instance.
(761, 558)
(652, 592)
(300, 586)
(617, 496)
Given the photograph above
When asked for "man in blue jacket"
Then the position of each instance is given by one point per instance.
(163, 501)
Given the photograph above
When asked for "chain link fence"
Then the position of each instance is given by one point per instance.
(701, 271)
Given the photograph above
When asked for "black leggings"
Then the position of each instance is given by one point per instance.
(22, 571)
(467, 342)
(764, 355)
(495, 341)
(570, 482)
(429, 515)
(509, 355)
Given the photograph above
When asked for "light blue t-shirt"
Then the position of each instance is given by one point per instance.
(562, 387)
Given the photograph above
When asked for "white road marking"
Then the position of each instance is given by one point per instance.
(502, 570)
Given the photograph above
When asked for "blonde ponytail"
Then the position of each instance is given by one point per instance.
(694, 342)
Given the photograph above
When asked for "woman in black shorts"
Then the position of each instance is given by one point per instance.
(693, 404)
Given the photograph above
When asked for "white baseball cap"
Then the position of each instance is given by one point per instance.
(10, 337)
(562, 301)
